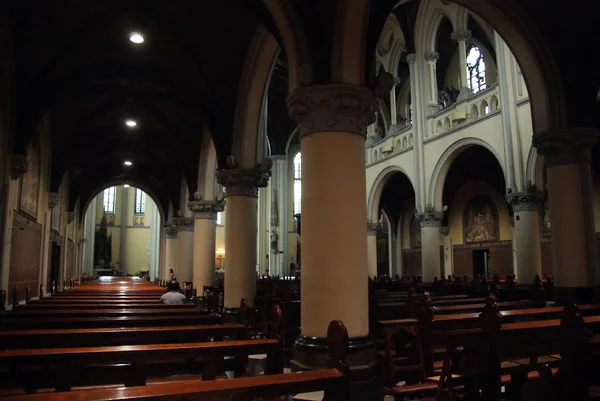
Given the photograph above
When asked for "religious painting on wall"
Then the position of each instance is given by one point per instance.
(415, 233)
(480, 221)
(30, 182)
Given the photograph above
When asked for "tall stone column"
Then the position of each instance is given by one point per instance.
(279, 231)
(205, 232)
(526, 235)
(185, 247)
(333, 120)
(241, 195)
(567, 156)
(461, 36)
(433, 103)
(372, 248)
(430, 223)
(53, 201)
(171, 250)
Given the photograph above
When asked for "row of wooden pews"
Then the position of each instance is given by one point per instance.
(112, 339)
(517, 350)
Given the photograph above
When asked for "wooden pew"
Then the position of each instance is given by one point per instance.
(162, 310)
(112, 321)
(55, 338)
(332, 380)
(154, 305)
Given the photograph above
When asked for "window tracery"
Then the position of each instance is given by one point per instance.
(476, 69)
(109, 200)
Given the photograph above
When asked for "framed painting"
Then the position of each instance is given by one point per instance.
(480, 221)
(30, 182)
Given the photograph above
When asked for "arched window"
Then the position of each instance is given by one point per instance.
(297, 183)
(140, 201)
(109, 200)
(476, 68)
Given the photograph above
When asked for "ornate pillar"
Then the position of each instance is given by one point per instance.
(205, 231)
(430, 223)
(461, 36)
(241, 195)
(171, 251)
(433, 103)
(372, 248)
(334, 222)
(278, 230)
(185, 247)
(567, 157)
(526, 235)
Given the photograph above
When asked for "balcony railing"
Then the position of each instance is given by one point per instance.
(395, 142)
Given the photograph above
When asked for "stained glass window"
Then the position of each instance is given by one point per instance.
(140, 201)
(476, 69)
(109, 200)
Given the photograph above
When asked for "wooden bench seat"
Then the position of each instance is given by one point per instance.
(88, 306)
(52, 338)
(21, 313)
(71, 362)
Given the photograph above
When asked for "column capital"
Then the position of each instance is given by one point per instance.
(171, 230)
(570, 146)
(430, 219)
(244, 181)
(184, 223)
(70, 217)
(19, 164)
(524, 201)
(332, 107)
(205, 209)
(278, 157)
(372, 228)
(461, 35)
(53, 199)
(431, 56)
(411, 58)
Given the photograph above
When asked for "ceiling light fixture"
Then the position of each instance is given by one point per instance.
(127, 163)
(126, 186)
(136, 38)
(130, 123)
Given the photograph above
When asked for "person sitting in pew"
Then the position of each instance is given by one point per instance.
(173, 296)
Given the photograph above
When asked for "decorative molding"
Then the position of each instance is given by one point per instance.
(461, 35)
(185, 224)
(205, 209)
(432, 57)
(19, 165)
(445, 231)
(244, 181)
(524, 201)
(570, 146)
(336, 107)
(53, 199)
(429, 219)
(372, 228)
(171, 230)
(70, 217)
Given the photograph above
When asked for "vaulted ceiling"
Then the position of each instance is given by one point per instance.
(74, 60)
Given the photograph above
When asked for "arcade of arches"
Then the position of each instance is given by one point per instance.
(331, 141)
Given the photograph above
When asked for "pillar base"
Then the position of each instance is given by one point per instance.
(311, 353)
(578, 295)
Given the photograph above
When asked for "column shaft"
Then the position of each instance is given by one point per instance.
(240, 248)
(278, 237)
(171, 250)
(205, 231)
(372, 253)
(527, 246)
(430, 245)
(185, 247)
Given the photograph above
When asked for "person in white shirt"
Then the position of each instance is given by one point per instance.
(173, 296)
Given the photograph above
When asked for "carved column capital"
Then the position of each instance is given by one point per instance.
(372, 228)
(243, 181)
(19, 164)
(432, 57)
(332, 107)
(205, 209)
(411, 58)
(278, 157)
(430, 219)
(53, 199)
(570, 146)
(461, 35)
(524, 201)
(70, 217)
(171, 230)
(185, 223)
